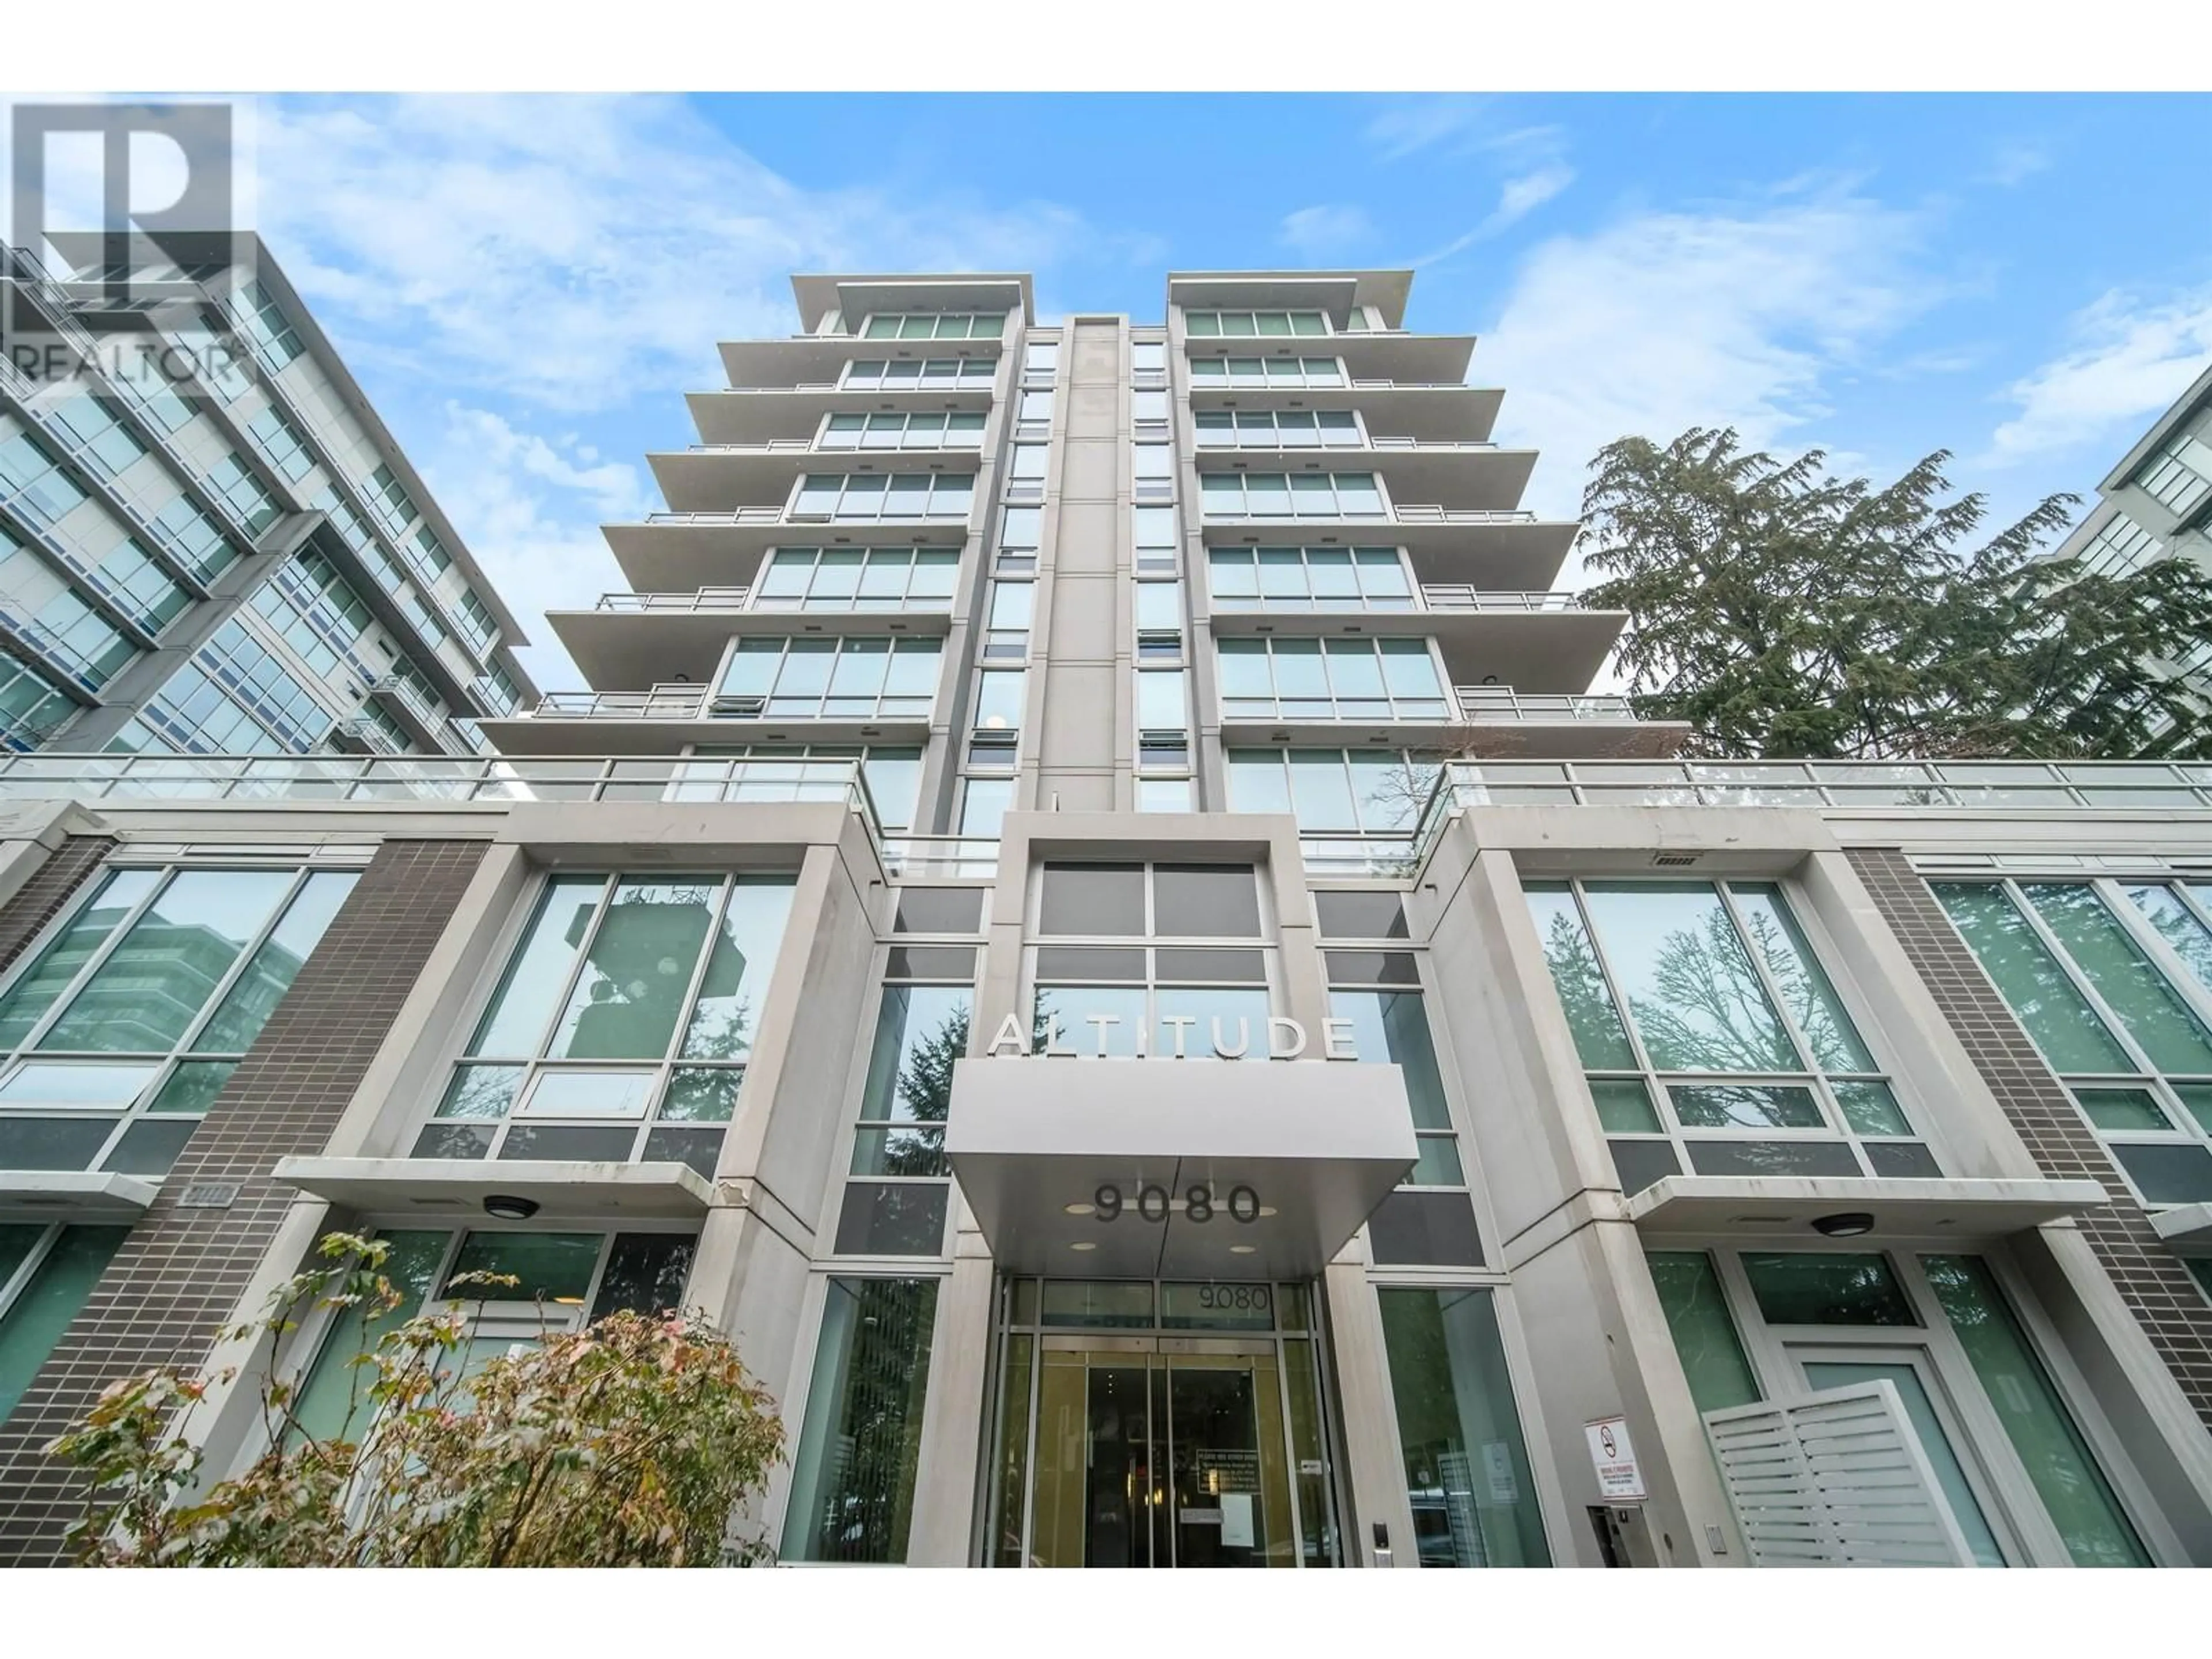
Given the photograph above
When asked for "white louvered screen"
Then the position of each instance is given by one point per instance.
(1835, 1479)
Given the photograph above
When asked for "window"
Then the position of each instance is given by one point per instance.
(281, 444)
(1200, 324)
(1028, 466)
(1290, 495)
(1705, 1338)
(1278, 429)
(581, 1277)
(2120, 547)
(124, 1028)
(943, 326)
(1148, 357)
(1309, 579)
(389, 500)
(427, 554)
(984, 803)
(1330, 791)
(1738, 1056)
(1213, 373)
(932, 375)
(2108, 979)
(1020, 532)
(1102, 988)
(865, 495)
(999, 697)
(263, 319)
(1330, 679)
(1159, 621)
(1430, 1220)
(855, 677)
(477, 622)
(32, 482)
(1034, 411)
(1012, 603)
(233, 696)
(956, 430)
(1467, 1478)
(1154, 471)
(241, 496)
(1148, 409)
(102, 445)
(1163, 700)
(621, 1027)
(323, 619)
(2179, 476)
(79, 640)
(31, 708)
(134, 584)
(857, 579)
(1154, 531)
(46, 1274)
(894, 1202)
(1040, 361)
(852, 1475)
(193, 539)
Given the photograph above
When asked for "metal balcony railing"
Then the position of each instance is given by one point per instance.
(726, 515)
(707, 599)
(682, 702)
(1416, 513)
(1456, 596)
(1503, 702)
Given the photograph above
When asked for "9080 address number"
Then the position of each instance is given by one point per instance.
(1152, 1203)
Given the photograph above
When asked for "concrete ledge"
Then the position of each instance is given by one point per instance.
(1784, 1207)
(561, 1190)
(73, 1195)
(2185, 1224)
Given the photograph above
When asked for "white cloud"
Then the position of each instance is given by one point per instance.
(1317, 232)
(1416, 123)
(2014, 162)
(2130, 358)
(1516, 199)
(1666, 320)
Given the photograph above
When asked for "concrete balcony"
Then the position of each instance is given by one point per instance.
(1496, 552)
(1426, 359)
(1440, 477)
(1485, 721)
(1538, 642)
(672, 714)
(629, 640)
(1448, 412)
(683, 552)
(796, 413)
(819, 360)
(729, 478)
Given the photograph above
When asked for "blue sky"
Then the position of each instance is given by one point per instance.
(526, 285)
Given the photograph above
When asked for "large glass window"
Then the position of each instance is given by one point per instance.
(2108, 979)
(867, 495)
(101, 444)
(1222, 373)
(852, 678)
(1277, 429)
(240, 494)
(939, 325)
(1704, 1334)
(623, 1025)
(1290, 495)
(32, 481)
(47, 1275)
(923, 430)
(235, 697)
(857, 579)
(193, 539)
(31, 708)
(130, 579)
(1201, 324)
(1309, 579)
(1738, 1056)
(124, 1028)
(1371, 790)
(281, 444)
(931, 374)
(1330, 679)
(853, 1474)
(2179, 476)
(894, 1202)
(1467, 1468)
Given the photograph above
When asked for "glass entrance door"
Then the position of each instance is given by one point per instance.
(1147, 1458)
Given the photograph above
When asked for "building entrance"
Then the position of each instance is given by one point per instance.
(1160, 1448)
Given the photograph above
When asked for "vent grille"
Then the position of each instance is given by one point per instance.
(1674, 860)
(208, 1195)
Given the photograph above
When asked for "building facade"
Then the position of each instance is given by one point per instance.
(2156, 503)
(1132, 977)
(229, 553)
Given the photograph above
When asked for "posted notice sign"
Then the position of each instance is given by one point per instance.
(1613, 1456)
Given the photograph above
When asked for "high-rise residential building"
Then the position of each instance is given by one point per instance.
(2156, 503)
(231, 555)
(1088, 918)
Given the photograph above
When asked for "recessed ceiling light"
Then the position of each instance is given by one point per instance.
(1266, 1210)
(1078, 1209)
(1082, 1245)
(1243, 1250)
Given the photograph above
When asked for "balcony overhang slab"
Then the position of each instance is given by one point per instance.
(561, 1190)
(1782, 1208)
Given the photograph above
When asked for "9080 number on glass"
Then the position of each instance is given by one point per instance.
(1153, 1202)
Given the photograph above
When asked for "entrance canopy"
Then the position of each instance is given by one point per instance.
(1176, 1168)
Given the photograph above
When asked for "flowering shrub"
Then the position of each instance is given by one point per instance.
(627, 1443)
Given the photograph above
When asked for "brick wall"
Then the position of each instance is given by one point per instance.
(41, 899)
(2152, 1283)
(179, 1274)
